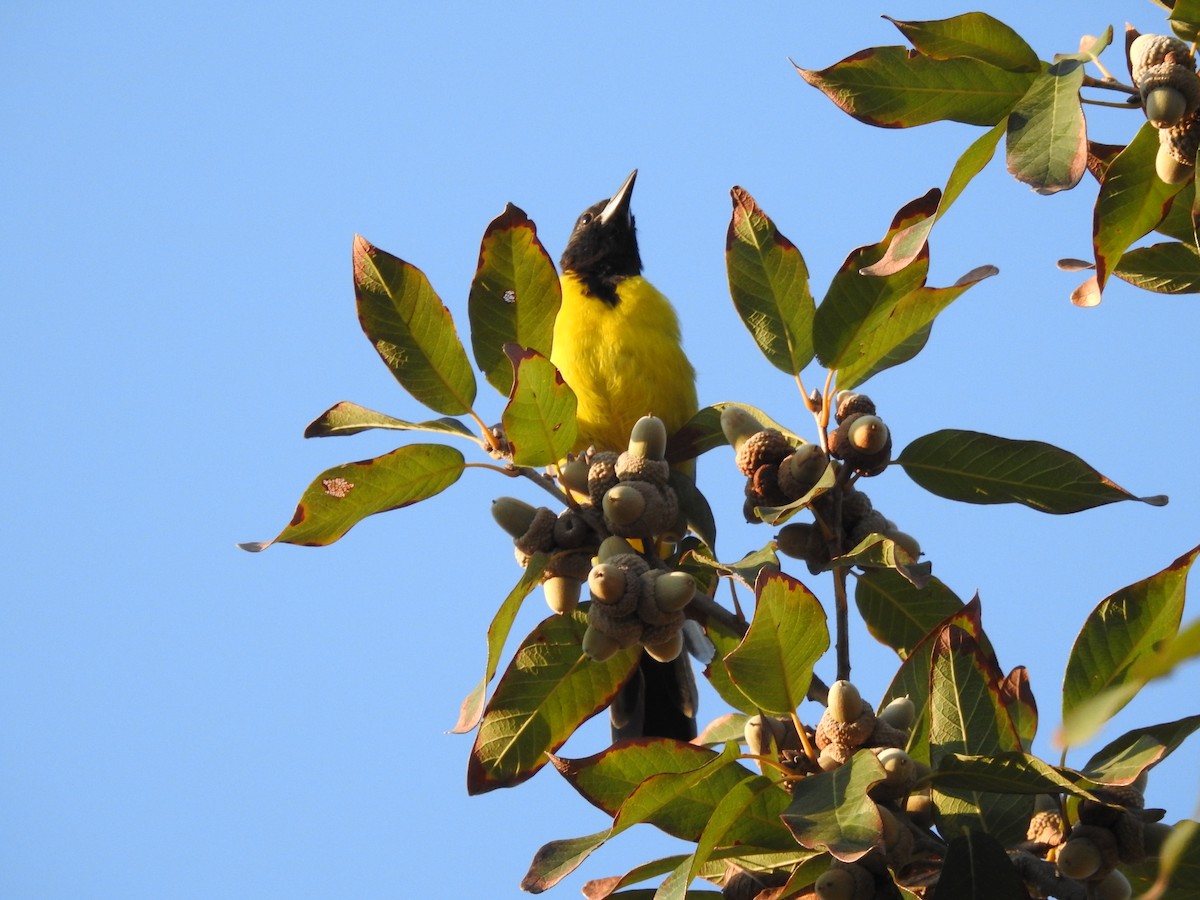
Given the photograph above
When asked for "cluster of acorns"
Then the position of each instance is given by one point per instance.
(1118, 829)
(1164, 71)
(628, 496)
(777, 473)
(847, 726)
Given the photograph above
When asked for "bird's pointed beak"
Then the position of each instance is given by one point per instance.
(618, 206)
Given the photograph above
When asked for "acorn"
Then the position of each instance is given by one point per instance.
(899, 713)
(667, 650)
(513, 515)
(800, 470)
(1113, 886)
(845, 881)
(611, 546)
(562, 594)
(648, 438)
(613, 586)
(1089, 853)
(623, 504)
(573, 474)
(904, 541)
(920, 810)
(737, 425)
(845, 702)
(674, 590)
(597, 645)
(864, 442)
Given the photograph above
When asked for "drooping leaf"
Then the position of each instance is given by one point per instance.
(694, 507)
(907, 243)
(898, 614)
(1181, 648)
(891, 88)
(1170, 267)
(609, 779)
(773, 665)
(746, 569)
(515, 296)
(1021, 705)
(974, 35)
(471, 710)
(865, 321)
(346, 418)
(982, 468)
(1123, 630)
(978, 867)
(539, 420)
(411, 330)
(967, 717)
(878, 551)
(1047, 138)
(548, 690)
(1005, 773)
(714, 869)
(1131, 203)
(703, 432)
(768, 281)
(1121, 761)
(912, 678)
(777, 515)
(341, 497)
(831, 811)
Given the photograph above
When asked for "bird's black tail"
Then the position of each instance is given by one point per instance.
(659, 700)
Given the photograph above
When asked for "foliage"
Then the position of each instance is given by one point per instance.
(804, 814)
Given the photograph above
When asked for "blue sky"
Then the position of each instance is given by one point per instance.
(181, 186)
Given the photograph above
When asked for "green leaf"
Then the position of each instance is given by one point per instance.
(865, 321)
(548, 690)
(1132, 201)
(609, 780)
(891, 88)
(898, 614)
(1004, 773)
(912, 678)
(978, 867)
(831, 811)
(981, 468)
(703, 432)
(1176, 873)
(877, 551)
(768, 281)
(694, 507)
(1121, 761)
(1170, 267)
(725, 819)
(746, 569)
(1022, 708)
(472, 707)
(777, 515)
(347, 418)
(773, 665)
(514, 297)
(1181, 648)
(1185, 20)
(726, 641)
(967, 717)
(906, 244)
(1047, 139)
(341, 497)
(556, 860)
(411, 330)
(539, 420)
(1122, 631)
(974, 35)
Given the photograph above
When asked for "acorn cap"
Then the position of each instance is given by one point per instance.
(626, 630)
(602, 475)
(571, 530)
(631, 466)
(849, 403)
(766, 447)
(1150, 50)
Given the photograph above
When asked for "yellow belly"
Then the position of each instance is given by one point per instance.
(622, 362)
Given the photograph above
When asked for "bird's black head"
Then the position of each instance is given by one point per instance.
(603, 247)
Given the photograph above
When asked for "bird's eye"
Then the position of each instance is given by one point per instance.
(586, 218)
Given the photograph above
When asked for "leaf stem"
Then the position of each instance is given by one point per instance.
(809, 750)
(1108, 83)
(492, 441)
(533, 475)
(1128, 104)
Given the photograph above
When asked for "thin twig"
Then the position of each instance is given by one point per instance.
(1109, 84)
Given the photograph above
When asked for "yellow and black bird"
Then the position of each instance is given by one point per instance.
(617, 344)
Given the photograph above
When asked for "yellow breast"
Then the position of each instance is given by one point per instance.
(623, 361)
